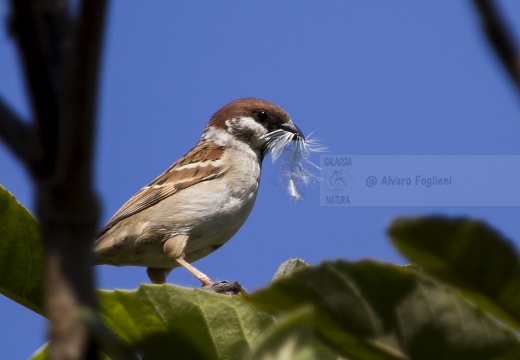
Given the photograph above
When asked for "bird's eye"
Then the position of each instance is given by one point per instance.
(262, 115)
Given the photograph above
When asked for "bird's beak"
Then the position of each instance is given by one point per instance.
(290, 127)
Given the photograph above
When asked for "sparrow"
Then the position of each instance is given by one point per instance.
(202, 200)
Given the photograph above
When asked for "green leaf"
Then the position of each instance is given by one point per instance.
(469, 255)
(292, 337)
(167, 321)
(21, 254)
(111, 344)
(40, 354)
(289, 267)
(369, 310)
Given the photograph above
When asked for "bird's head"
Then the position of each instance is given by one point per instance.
(261, 124)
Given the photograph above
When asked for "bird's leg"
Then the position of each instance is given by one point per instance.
(174, 248)
(203, 278)
(157, 275)
(221, 287)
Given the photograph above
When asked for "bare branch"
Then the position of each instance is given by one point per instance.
(73, 181)
(17, 135)
(500, 37)
(42, 29)
(61, 59)
(79, 110)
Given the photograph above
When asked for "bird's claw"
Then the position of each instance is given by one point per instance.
(225, 287)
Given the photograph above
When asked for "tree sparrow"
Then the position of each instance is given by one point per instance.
(201, 201)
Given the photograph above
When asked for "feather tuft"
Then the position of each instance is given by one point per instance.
(295, 154)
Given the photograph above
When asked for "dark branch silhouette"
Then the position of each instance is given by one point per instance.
(500, 38)
(60, 52)
(17, 134)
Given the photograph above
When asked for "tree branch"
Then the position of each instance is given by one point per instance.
(42, 29)
(61, 58)
(80, 105)
(500, 38)
(17, 135)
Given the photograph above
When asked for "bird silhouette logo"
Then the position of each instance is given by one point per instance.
(338, 181)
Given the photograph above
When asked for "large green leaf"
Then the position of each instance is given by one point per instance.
(167, 321)
(21, 254)
(292, 337)
(369, 310)
(469, 255)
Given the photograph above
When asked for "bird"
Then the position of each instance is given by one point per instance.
(203, 199)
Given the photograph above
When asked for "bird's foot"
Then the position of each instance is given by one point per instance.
(225, 287)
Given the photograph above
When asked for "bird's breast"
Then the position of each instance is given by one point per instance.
(230, 201)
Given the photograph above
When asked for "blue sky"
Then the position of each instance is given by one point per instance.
(368, 78)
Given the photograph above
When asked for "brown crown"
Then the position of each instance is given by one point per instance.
(246, 107)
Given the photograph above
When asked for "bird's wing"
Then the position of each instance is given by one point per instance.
(200, 164)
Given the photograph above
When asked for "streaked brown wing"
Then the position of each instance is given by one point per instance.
(177, 177)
